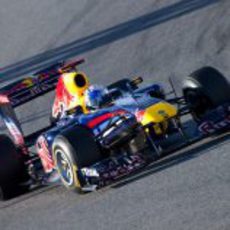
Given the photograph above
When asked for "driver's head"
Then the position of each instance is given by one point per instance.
(94, 96)
(76, 82)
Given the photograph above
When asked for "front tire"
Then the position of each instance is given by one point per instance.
(205, 89)
(72, 150)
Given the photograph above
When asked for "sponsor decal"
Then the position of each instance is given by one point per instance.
(29, 88)
(4, 99)
(15, 132)
(44, 154)
(113, 168)
(209, 127)
(163, 114)
(90, 172)
(139, 114)
(24, 84)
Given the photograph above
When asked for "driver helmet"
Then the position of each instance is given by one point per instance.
(94, 96)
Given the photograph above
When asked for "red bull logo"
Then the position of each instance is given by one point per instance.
(29, 82)
(24, 84)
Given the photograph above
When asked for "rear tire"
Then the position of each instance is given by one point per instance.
(12, 169)
(72, 150)
(205, 89)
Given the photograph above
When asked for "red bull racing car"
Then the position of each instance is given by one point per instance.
(91, 149)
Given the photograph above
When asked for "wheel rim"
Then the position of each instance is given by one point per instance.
(64, 167)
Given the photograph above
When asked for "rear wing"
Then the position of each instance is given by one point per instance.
(39, 83)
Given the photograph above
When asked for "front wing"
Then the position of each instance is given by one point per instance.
(111, 169)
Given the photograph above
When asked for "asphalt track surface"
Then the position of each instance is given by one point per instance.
(152, 38)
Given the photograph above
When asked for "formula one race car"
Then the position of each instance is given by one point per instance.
(128, 131)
